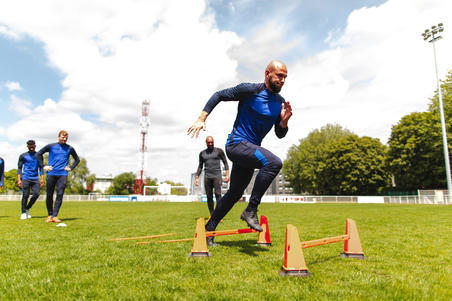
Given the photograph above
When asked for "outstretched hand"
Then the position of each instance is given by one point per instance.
(286, 113)
(196, 128)
(200, 124)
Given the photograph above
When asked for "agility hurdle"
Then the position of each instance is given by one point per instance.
(294, 262)
(200, 244)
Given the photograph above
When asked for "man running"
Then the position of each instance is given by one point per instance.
(57, 171)
(260, 108)
(210, 158)
(29, 176)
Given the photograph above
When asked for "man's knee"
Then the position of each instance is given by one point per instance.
(275, 164)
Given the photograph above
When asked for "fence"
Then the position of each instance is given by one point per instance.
(421, 198)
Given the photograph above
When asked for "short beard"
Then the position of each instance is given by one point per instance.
(274, 88)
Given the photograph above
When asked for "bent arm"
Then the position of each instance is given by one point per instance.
(279, 130)
(200, 165)
(74, 155)
(236, 93)
(20, 165)
(41, 152)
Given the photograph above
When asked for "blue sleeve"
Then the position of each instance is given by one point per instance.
(20, 164)
(76, 158)
(236, 93)
(42, 151)
(279, 131)
(2, 171)
(40, 167)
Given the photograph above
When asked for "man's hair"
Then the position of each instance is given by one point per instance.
(62, 132)
(30, 142)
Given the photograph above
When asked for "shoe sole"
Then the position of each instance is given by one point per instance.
(251, 226)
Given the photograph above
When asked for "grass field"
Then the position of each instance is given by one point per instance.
(408, 250)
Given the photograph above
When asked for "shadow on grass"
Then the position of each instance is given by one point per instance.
(325, 259)
(70, 218)
(249, 246)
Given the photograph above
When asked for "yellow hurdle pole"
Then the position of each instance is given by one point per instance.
(229, 232)
(324, 241)
(142, 237)
(164, 241)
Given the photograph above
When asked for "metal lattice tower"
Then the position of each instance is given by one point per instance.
(144, 127)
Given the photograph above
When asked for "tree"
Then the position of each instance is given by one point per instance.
(151, 182)
(10, 181)
(415, 156)
(177, 191)
(90, 182)
(76, 179)
(304, 161)
(122, 184)
(353, 166)
(446, 89)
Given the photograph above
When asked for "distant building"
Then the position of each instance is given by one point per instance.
(103, 183)
(279, 185)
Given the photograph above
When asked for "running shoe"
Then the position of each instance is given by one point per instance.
(56, 219)
(250, 217)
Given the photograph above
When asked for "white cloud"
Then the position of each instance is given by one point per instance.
(115, 55)
(13, 86)
(8, 32)
(20, 106)
(377, 71)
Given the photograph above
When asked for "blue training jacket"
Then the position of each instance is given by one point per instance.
(258, 110)
(58, 158)
(28, 166)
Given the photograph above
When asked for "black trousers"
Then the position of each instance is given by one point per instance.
(211, 185)
(58, 182)
(26, 186)
(245, 158)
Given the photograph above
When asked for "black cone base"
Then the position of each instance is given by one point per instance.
(300, 273)
(357, 256)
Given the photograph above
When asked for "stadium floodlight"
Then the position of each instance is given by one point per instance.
(435, 37)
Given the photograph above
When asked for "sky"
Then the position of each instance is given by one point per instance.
(86, 67)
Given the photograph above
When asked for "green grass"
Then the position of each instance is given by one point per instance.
(408, 250)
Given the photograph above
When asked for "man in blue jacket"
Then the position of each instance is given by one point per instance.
(29, 176)
(57, 171)
(260, 108)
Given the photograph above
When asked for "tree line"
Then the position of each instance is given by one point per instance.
(334, 161)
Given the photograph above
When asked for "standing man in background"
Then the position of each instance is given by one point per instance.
(210, 158)
(57, 171)
(2, 172)
(29, 176)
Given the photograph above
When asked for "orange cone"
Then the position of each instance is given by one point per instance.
(294, 263)
(200, 244)
(352, 246)
(264, 237)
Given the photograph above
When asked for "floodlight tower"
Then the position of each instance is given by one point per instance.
(144, 126)
(433, 33)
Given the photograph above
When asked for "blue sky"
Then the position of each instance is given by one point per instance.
(86, 67)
